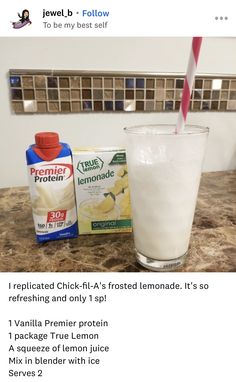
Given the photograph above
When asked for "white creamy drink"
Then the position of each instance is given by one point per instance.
(164, 176)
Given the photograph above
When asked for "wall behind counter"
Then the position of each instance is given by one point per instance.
(218, 55)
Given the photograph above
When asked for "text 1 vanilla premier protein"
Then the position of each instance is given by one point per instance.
(51, 181)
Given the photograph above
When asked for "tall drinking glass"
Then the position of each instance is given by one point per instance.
(164, 176)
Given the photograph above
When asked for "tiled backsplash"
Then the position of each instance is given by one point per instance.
(45, 91)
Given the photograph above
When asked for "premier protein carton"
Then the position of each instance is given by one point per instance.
(102, 191)
(51, 182)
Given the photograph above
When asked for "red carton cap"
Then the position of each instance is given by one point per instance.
(46, 140)
(47, 145)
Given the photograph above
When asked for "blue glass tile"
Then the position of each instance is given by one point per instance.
(129, 83)
(169, 105)
(139, 82)
(15, 81)
(108, 105)
(119, 105)
(87, 105)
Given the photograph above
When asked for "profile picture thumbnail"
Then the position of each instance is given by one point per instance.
(23, 20)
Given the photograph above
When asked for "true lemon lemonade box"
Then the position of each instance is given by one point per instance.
(102, 191)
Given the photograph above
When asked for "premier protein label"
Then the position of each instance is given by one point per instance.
(52, 172)
(53, 198)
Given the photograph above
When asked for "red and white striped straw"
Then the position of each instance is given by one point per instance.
(188, 84)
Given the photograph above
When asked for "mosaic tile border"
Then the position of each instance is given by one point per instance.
(54, 91)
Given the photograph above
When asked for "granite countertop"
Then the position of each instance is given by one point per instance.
(212, 246)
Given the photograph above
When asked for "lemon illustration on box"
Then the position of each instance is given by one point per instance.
(102, 190)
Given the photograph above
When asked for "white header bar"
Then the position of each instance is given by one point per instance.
(119, 18)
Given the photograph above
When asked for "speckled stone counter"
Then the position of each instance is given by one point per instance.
(212, 247)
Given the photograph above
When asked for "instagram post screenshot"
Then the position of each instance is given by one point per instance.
(118, 191)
